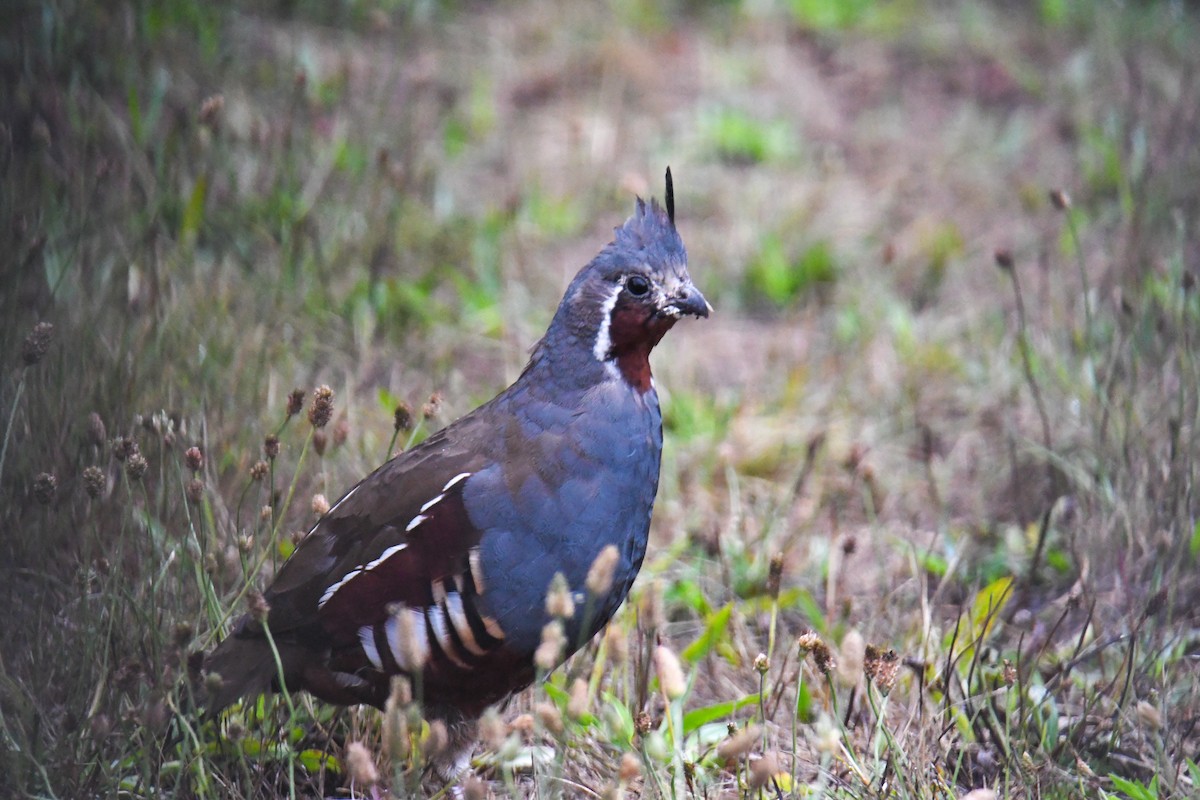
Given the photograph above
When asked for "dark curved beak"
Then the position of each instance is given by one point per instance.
(687, 300)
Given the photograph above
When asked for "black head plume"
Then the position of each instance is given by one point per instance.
(670, 198)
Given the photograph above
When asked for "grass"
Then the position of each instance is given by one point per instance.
(928, 518)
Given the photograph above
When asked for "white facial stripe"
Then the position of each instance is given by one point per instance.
(432, 503)
(462, 476)
(603, 338)
(417, 520)
(366, 637)
(458, 619)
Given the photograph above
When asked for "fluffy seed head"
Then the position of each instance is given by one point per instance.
(34, 348)
(670, 673)
(558, 599)
(550, 718)
(549, 652)
(762, 664)
(193, 458)
(617, 644)
(320, 505)
(763, 770)
(259, 470)
(853, 654)
(631, 768)
(600, 574)
(492, 730)
(740, 743)
(321, 410)
(361, 765)
(577, 706)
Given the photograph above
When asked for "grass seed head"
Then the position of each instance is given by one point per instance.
(433, 406)
(271, 447)
(136, 466)
(1003, 259)
(259, 608)
(559, 602)
(549, 652)
(259, 470)
(193, 458)
(295, 402)
(97, 434)
(361, 765)
(762, 664)
(763, 770)
(550, 717)
(617, 644)
(670, 673)
(775, 576)
(475, 789)
(823, 658)
(492, 730)
(94, 481)
(34, 348)
(739, 744)
(577, 706)
(402, 417)
(320, 441)
(600, 574)
(321, 410)
(194, 490)
(853, 654)
(210, 111)
(631, 768)
(45, 485)
(123, 447)
(881, 666)
(320, 505)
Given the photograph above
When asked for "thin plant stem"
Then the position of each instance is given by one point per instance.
(12, 414)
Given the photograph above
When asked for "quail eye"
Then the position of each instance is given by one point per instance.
(637, 285)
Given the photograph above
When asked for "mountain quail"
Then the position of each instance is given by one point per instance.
(437, 565)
